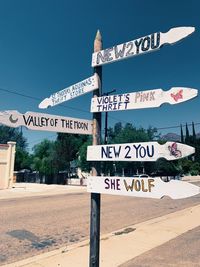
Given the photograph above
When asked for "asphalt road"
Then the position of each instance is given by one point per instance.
(32, 225)
(182, 251)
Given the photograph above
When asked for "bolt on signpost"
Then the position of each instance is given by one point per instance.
(149, 151)
(96, 197)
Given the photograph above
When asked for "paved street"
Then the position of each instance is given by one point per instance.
(182, 251)
(32, 225)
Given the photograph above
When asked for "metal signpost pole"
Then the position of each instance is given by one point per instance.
(96, 197)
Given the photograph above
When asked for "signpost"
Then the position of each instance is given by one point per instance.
(144, 151)
(70, 92)
(142, 99)
(140, 46)
(95, 210)
(141, 187)
(46, 122)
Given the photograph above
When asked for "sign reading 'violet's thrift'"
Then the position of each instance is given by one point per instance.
(143, 99)
(140, 46)
(144, 151)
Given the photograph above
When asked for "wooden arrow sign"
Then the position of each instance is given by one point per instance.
(144, 151)
(141, 187)
(143, 99)
(46, 122)
(139, 46)
(70, 92)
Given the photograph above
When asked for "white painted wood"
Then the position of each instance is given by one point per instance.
(71, 92)
(142, 99)
(137, 187)
(144, 151)
(46, 122)
(140, 46)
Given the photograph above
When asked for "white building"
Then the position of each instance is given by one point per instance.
(7, 159)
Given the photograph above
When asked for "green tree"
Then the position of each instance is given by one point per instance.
(182, 137)
(22, 157)
(187, 135)
(43, 159)
(66, 148)
(82, 158)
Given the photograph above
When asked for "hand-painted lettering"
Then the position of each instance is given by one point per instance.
(110, 152)
(119, 51)
(153, 45)
(138, 185)
(112, 183)
(130, 52)
(144, 96)
(39, 121)
(150, 184)
(127, 149)
(146, 43)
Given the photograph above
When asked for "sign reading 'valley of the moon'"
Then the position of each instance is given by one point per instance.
(46, 122)
(144, 151)
(141, 187)
(140, 46)
(143, 99)
(70, 92)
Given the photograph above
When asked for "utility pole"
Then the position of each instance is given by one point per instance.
(106, 119)
(96, 197)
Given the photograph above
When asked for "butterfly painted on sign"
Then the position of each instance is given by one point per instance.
(174, 151)
(178, 95)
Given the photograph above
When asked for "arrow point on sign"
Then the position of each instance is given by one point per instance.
(176, 34)
(45, 103)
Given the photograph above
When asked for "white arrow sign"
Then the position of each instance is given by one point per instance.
(144, 151)
(139, 46)
(70, 92)
(143, 99)
(137, 187)
(46, 122)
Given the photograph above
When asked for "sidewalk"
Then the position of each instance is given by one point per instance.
(123, 245)
(32, 189)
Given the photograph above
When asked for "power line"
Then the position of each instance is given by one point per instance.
(39, 99)
(81, 110)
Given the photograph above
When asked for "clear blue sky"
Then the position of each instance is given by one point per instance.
(47, 45)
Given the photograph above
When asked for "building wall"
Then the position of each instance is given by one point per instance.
(7, 159)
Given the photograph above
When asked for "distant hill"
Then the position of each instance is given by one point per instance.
(171, 137)
(174, 137)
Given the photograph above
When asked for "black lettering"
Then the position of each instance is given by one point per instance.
(128, 148)
(142, 152)
(120, 52)
(136, 148)
(153, 45)
(146, 43)
(117, 152)
(137, 44)
(100, 58)
(129, 52)
(107, 183)
(152, 151)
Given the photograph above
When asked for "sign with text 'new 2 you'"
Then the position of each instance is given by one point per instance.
(46, 122)
(70, 92)
(141, 187)
(143, 99)
(139, 46)
(144, 151)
